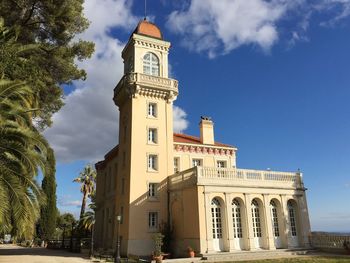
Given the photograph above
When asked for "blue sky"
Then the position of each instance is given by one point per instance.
(273, 75)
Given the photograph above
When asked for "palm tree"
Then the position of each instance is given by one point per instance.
(87, 179)
(22, 153)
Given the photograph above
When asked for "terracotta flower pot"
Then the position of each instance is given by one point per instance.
(191, 254)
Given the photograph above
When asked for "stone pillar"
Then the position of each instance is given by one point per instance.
(270, 242)
(229, 222)
(304, 223)
(249, 223)
(286, 220)
(208, 220)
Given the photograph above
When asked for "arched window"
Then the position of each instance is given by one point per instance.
(216, 218)
(293, 224)
(151, 64)
(256, 219)
(237, 220)
(274, 218)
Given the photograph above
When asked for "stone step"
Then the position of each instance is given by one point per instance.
(255, 254)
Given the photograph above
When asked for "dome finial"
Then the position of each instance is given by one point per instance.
(145, 18)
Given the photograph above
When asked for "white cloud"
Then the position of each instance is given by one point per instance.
(221, 26)
(218, 27)
(87, 126)
(180, 122)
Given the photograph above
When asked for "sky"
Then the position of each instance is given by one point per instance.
(274, 75)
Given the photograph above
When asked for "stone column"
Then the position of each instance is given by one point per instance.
(286, 219)
(249, 223)
(208, 220)
(270, 242)
(304, 223)
(229, 222)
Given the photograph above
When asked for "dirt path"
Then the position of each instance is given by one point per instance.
(16, 254)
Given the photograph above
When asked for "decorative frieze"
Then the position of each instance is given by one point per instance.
(202, 149)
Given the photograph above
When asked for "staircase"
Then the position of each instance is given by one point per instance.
(254, 255)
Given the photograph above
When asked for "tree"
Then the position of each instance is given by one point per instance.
(22, 152)
(54, 25)
(48, 214)
(87, 179)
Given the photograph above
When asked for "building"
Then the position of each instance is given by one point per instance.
(155, 177)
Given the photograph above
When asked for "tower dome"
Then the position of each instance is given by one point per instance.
(147, 28)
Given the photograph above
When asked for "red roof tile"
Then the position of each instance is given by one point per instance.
(184, 138)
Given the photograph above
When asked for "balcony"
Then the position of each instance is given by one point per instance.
(235, 178)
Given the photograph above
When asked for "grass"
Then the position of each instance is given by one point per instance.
(300, 260)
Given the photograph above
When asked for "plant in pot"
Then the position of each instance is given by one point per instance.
(190, 252)
(158, 242)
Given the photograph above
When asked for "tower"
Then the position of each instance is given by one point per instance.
(144, 96)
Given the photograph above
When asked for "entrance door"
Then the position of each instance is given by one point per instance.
(275, 227)
(218, 243)
(294, 240)
(237, 225)
(258, 242)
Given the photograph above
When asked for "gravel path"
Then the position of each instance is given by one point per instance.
(16, 254)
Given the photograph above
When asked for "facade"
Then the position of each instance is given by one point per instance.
(155, 178)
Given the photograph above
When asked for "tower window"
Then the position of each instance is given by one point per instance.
(152, 162)
(152, 135)
(152, 110)
(151, 64)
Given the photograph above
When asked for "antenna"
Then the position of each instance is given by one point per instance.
(145, 18)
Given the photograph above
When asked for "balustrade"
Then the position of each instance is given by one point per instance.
(236, 177)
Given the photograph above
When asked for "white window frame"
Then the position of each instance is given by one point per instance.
(153, 219)
(152, 135)
(154, 112)
(177, 166)
(151, 66)
(152, 166)
(153, 190)
(197, 159)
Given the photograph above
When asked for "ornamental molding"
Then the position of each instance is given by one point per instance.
(203, 149)
(148, 44)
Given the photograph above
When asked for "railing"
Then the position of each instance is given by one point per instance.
(236, 177)
(330, 241)
(153, 81)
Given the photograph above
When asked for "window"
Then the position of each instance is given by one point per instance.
(153, 220)
(152, 135)
(256, 219)
(176, 164)
(151, 64)
(152, 162)
(216, 218)
(293, 224)
(237, 220)
(196, 162)
(221, 164)
(274, 218)
(152, 189)
(152, 110)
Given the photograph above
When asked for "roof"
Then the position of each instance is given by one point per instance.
(147, 28)
(184, 138)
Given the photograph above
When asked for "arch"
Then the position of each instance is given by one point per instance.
(151, 64)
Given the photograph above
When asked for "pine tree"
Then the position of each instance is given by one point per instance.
(49, 210)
